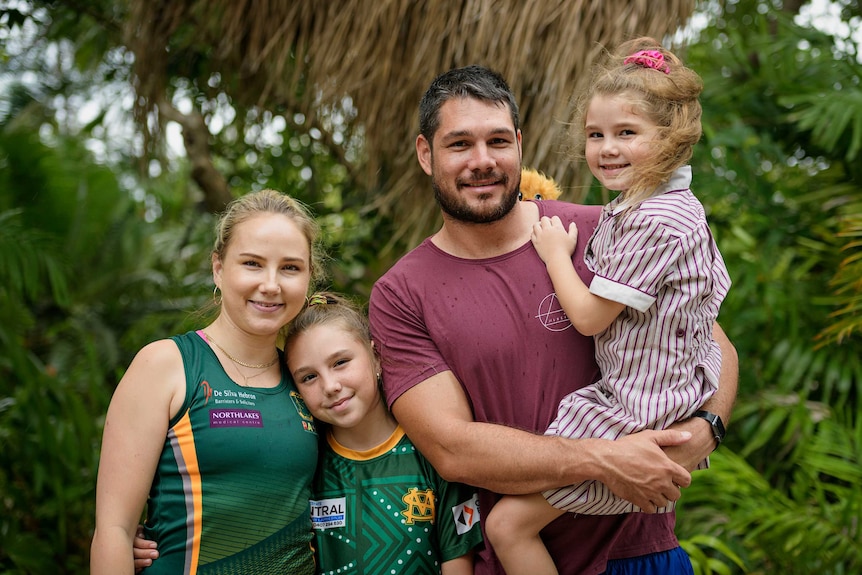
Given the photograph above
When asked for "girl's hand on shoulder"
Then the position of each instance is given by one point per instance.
(552, 240)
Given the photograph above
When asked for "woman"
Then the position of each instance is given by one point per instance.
(209, 423)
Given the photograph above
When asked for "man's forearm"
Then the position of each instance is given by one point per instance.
(722, 401)
(503, 459)
(436, 415)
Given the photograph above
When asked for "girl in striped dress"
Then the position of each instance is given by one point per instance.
(658, 281)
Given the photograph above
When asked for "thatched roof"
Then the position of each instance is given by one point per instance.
(382, 54)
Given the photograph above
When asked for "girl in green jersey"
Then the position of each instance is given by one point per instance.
(378, 505)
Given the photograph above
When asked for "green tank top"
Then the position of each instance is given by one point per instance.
(230, 494)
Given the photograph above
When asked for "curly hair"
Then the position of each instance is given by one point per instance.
(665, 93)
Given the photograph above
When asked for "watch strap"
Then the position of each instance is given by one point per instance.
(715, 422)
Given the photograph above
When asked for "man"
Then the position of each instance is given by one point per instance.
(477, 352)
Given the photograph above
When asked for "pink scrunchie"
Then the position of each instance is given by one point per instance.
(649, 59)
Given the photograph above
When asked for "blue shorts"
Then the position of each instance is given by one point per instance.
(672, 562)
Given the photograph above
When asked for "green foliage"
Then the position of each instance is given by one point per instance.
(808, 525)
(97, 261)
(25, 262)
(705, 551)
(288, 154)
(779, 173)
(87, 282)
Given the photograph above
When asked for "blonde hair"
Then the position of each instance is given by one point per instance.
(269, 202)
(667, 94)
(327, 307)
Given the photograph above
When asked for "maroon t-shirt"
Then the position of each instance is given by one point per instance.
(497, 325)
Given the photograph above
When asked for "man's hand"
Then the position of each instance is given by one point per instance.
(144, 550)
(637, 470)
(693, 452)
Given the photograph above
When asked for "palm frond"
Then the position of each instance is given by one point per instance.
(26, 261)
(847, 283)
(812, 527)
(831, 118)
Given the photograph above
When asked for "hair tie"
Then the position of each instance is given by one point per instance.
(649, 59)
(321, 299)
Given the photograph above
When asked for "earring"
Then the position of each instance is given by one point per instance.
(216, 298)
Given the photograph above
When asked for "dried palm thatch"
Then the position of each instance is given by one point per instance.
(309, 56)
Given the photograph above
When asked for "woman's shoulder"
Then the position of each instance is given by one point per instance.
(156, 375)
(160, 348)
(158, 357)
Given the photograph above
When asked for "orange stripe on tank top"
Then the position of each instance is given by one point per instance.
(192, 484)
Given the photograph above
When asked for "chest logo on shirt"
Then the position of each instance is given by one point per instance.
(551, 314)
(235, 418)
(208, 391)
(420, 506)
(304, 413)
(329, 513)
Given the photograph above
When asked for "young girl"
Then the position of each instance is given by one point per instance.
(206, 428)
(378, 506)
(659, 280)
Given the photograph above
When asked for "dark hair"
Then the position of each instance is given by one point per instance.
(468, 82)
(667, 95)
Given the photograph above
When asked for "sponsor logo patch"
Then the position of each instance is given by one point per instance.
(304, 413)
(328, 513)
(466, 515)
(235, 418)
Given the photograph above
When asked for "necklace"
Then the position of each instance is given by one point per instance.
(238, 362)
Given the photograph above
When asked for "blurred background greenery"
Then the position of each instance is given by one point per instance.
(105, 231)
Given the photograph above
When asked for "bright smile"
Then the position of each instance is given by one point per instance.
(482, 184)
(340, 405)
(266, 306)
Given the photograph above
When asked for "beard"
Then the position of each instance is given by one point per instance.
(458, 209)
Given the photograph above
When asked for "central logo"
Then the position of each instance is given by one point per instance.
(420, 506)
(551, 314)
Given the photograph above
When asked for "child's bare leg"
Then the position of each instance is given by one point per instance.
(513, 527)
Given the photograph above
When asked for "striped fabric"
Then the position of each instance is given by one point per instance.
(658, 360)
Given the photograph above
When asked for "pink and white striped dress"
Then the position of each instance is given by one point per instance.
(658, 360)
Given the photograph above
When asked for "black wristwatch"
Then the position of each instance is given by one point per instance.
(715, 422)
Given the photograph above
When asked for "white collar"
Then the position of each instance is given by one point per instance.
(680, 179)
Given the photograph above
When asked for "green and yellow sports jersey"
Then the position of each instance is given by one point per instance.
(231, 491)
(388, 511)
